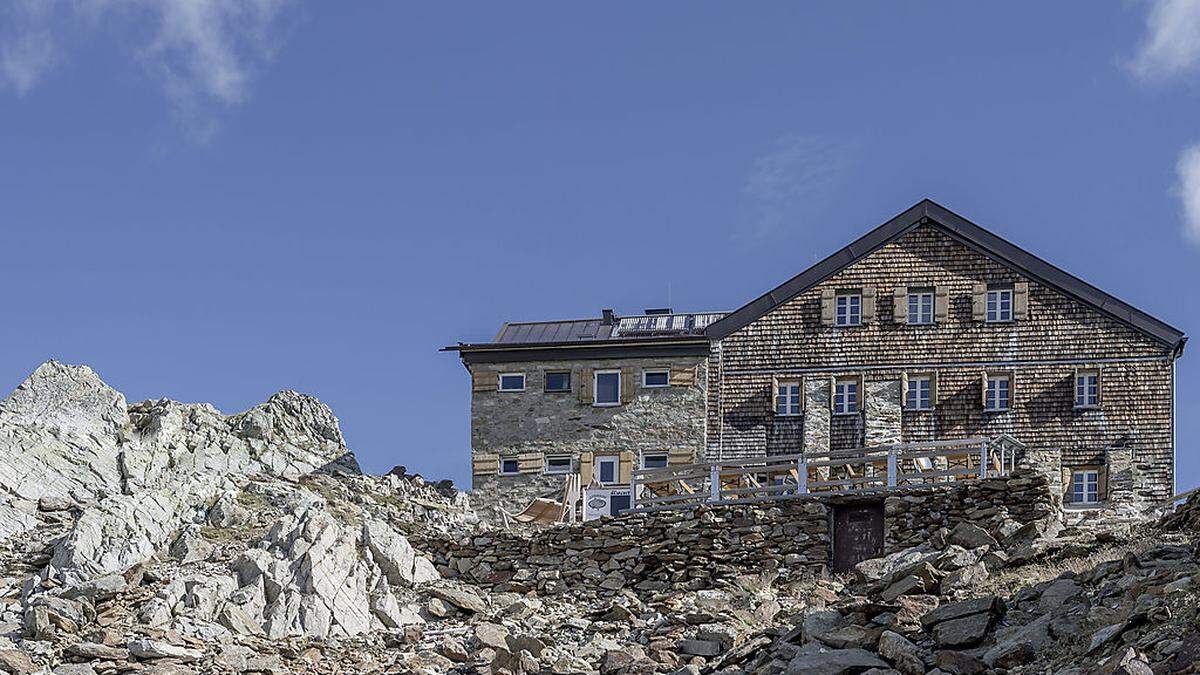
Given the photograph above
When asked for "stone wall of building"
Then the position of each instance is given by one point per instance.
(649, 552)
(533, 424)
(1040, 352)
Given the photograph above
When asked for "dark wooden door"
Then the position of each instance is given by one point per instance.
(857, 534)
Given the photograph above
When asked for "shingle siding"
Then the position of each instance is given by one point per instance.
(1041, 352)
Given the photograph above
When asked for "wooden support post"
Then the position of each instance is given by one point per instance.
(714, 483)
(891, 476)
(801, 476)
(983, 459)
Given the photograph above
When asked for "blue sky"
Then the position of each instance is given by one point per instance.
(212, 200)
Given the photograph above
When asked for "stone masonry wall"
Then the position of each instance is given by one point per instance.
(1040, 353)
(535, 423)
(698, 548)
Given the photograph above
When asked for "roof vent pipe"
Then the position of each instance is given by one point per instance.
(607, 319)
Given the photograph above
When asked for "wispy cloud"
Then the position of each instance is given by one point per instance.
(1171, 46)
(203, 53)
(791, 181)
(1188, 170)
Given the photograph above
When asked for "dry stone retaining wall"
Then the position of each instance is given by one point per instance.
(650, 552)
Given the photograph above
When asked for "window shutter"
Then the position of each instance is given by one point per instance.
(680, 456)
(933, 389)
(868, 304)
(832, 391)
(941, 304)
(530, 462)
(979, 302)
(1099, 385)
(628, 385)
(1021, 301)
(683, 377)
(483, 381)
(904, 389)
(983, 390)
(772, 401)
(625, 468)
(1075, 387)
(585, 386)
(900, 304)
(827, 302)
(585, 469)
(485, 463)
(1012, 390)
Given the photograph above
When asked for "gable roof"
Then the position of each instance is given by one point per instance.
(928, 212)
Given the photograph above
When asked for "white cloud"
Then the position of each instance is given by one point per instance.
(203, 53)
(1188, 169)
(793, 180)
(1171, 47)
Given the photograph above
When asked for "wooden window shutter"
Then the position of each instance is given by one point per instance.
(900, 304)
(904, 389)
(832, 391)
(1099, 385)
(1075, 387)
(485, 463)
(683, 377)
(979, 302)
(1021, 300)
(483, 381)
(585, 469)
(828, 299)
(941, 304)
(772, 393)
(625, 468)
(983, 390)
(530, 462)
(1012, 390)
(933, 389)
(868, 304)
(585, 386)
(628, 385)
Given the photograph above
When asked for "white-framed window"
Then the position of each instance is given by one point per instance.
(919, 394)
(845, 397)
(920, 308)
(787, 398)
(606, 388)
(1085, 486)
(558, 464)
(999, 388)
(654, 460)
(1087, 388)
(512, 381)
(847, 309)
(999, 305)
(558, 380)
(607, 469)
(509, 466)
(656, 378)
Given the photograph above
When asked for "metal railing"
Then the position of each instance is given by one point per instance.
(781, 477)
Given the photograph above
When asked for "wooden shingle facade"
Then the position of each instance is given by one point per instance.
(1090, 382)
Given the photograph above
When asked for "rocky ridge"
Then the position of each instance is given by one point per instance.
(162, 537)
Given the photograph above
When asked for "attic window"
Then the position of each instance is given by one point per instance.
(848, 309)
(999, 305)
(512, 382)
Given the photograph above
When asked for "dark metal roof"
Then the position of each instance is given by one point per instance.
(552, 331)
(929, 212)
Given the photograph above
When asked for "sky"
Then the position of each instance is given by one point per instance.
(213, 200)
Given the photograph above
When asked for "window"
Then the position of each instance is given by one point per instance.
(918, 396)
(848, 309)
(998, 388)
(509, 467)
(1085, 486)
(512, 381)
(1087, 389)
(608, 387)
(657, 460)
(787, 398)
(656, 378)
(558, 464)
(606, 469)
(845, 397)
(920, 307)
(560, 381)
(999, 305)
